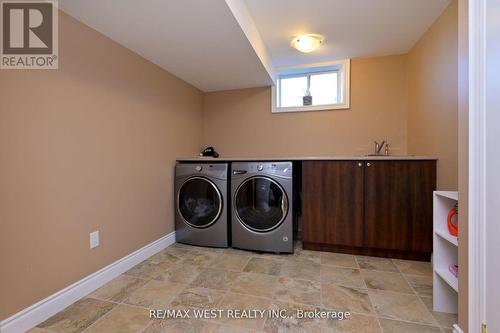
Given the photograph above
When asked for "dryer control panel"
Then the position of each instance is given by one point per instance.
(282, 169)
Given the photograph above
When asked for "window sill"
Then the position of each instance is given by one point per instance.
(325, 107)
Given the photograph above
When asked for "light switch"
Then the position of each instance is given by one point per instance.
(94, 239)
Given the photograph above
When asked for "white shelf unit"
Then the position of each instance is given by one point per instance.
(445, 253)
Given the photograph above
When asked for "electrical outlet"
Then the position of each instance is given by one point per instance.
(94, 239)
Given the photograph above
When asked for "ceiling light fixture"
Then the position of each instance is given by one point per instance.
(307, 43)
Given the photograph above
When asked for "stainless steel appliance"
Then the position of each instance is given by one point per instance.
(262, 201)
(201, 214)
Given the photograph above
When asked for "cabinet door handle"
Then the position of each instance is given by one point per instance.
(360, 165)
(368, 164)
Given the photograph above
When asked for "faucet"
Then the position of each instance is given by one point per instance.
(379, 146)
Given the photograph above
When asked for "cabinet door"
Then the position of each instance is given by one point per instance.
(398, 205)
(332, 202)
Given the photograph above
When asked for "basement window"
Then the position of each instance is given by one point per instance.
(324, 87)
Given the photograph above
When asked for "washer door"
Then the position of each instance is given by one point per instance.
(261, 204)
(199, 202)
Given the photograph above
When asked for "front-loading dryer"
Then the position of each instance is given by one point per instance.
(201, 214)
(262, 202)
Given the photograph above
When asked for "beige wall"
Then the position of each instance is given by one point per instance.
(433, 97)
(240, 122)
(90, 146)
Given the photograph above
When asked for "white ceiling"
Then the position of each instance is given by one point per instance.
(352, 28)
(230, 44)
(199, 41)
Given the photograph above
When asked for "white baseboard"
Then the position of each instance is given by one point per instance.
(457, 329)
(41, 311)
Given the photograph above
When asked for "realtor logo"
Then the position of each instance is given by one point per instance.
(29, 34)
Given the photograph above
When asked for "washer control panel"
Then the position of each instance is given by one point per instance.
(217, 170)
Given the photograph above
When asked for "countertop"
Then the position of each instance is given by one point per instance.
(308, 158)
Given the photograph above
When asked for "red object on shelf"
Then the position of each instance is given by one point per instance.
(454, 270)
(453, 222)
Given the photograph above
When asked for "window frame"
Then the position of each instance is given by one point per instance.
(342, 67)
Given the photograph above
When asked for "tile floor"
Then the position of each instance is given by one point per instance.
(383, 295)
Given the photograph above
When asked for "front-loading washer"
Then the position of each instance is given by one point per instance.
(201, 202)
(262, 202)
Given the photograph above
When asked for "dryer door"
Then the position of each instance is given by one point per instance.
(199, 202)
(261, 204)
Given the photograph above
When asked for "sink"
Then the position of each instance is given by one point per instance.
(374, 155)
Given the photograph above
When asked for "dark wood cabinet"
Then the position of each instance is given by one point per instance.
(333, 194)
(380, 208)
(398, 205)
